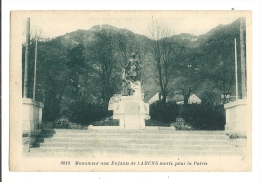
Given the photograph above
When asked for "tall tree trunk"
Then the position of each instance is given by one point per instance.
(164, 96)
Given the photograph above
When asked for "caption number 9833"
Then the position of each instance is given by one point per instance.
(65, 163)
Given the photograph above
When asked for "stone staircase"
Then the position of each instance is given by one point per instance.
(148, 143)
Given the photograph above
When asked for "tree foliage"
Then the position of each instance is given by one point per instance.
(101, 54)
(52, 77)
(78, 70)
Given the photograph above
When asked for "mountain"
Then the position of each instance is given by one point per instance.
(194, 41)
(87, 36)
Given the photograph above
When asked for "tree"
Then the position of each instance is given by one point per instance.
(52, 72)
(220, 64)
(166, 51)
(101, 54)
(78, 69)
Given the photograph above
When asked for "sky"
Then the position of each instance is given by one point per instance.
(56, 23)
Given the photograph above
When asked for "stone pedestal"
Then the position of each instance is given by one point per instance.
(132, 111)
(236, 117)
(32, 121)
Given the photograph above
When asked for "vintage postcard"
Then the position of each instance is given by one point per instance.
(164, 91)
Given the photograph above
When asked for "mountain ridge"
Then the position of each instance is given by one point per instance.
(193, 40)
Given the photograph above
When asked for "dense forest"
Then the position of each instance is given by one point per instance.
(77, 73)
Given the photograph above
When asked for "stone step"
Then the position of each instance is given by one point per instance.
(133, 152)
(137, 134)
(56, 141)
(134, 137)
(127, 138)
(133, 133)
(167, 130)
(98, 146)
(108, 139)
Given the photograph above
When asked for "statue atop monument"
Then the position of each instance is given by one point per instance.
(132, 67)
(130, 75)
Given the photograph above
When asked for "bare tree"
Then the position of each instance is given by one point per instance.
(165, 51)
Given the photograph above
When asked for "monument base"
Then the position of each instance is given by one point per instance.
(131, 121)
(131, 110)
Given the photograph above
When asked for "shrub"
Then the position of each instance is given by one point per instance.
(85, 114)
(180, 124)
(61, 123)
(236, 136)
(150, 122)
(64, 123)
(164, 112)
(204, 116)
(108, 121)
